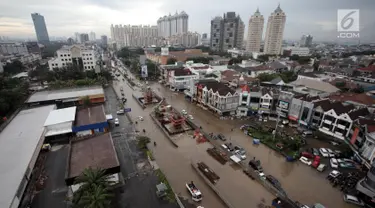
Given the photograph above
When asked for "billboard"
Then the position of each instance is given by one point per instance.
(164, 51)
(283, 105)
(144, 72)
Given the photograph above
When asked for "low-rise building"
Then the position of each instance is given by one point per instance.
(90, 121)
(313, 87)
(180, 56)
(59, 124)
(235, 79)
(181, 78)
(216, 96)
(79, 56)
(300, 51)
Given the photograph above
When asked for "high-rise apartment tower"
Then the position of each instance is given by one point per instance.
(274, 32)
(255, 32)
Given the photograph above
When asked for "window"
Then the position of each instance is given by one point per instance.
(68, 54)
(230, 34)
(215, 26)
(231, 25)
(85, 67)
(63, 64)
(65, 55)
(227, 40)
(214, 35)
(61, 55)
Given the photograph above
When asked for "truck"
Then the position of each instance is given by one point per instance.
(196, 194)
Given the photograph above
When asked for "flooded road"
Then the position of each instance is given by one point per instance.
(301, 182)
(176, 164)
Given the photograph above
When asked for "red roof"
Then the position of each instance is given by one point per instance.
(201, 67)
(245, 88)
(368, 69)
(370, 128)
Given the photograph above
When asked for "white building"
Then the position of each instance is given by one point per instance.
(13, 48)
(300, 51)
(92, 36)
(181, 79)
(135, 35)
(274, 32)
(173, 24)
(76, 55)
(60, 121)
(255, 32)
(188, 39)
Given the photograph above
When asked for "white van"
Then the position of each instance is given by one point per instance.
(307, 133)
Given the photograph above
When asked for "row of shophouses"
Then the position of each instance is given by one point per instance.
(351, 122)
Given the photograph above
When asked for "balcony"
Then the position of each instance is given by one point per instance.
(340, 126)
(327, 122)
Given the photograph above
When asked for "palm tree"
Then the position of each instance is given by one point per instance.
(86, 102)
(97, 197)
(94, 191)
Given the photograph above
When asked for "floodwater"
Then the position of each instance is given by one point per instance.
(235, 186)
(301, 182)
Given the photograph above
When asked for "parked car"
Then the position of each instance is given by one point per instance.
(315, 151)
(324, 152)
(120, 112)
(334, 163)
(140, 118)
(304, 160)
(221, 137)
(184, 112)
(307, 155)
(333, 174)
(273, 181)
(353, 200)
(117, 122)
(330, 152)
(321, 167)
(307, 133)
(191, 117)
(230, 146)
(255, 164)
(240, 154)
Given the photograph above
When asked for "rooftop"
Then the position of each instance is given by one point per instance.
(65, 94)
(316, 85)
(95, 152)
(362, 98)
(182, 72)
(18, 142)
(216, 86)
(91, 115)
(61, 116)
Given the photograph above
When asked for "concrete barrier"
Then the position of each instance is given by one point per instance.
(164, 131)
(217, 192)
(138, 101)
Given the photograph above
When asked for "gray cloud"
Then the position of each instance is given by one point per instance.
(63, 18)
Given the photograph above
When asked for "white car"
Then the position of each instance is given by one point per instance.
(184, 112)
(140, 118)
(240, 154)
(117, 122)
(120, 112)
(191, 117)
(324, 152)
(304, 160)
(330, 153)
(334, 163)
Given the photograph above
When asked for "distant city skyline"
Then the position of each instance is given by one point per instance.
(317, 18)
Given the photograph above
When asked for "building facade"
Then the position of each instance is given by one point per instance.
(84, 37)
(306, 41)
(255, 32)
(274, 32)
(104, 41)
(40, 28)
(227, 32)
(92, 36)
(13, 48)
(173, 24)
(78, 56)
(135, 35)
(205, 40)
(188, 39)
(300, 51)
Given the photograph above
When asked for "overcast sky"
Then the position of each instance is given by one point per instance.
(64, 17)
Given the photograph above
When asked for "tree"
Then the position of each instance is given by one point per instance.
(86, 102)
(94, 191)
(171, 61)
(265, 77)
(14, 68)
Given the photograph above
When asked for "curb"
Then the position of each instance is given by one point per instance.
(164, 131)
(217, 192)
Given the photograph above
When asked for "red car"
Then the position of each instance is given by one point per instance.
(307, 155)
(316, 162)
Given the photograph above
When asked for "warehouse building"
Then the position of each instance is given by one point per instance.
(59, 125)
(67, 97)
(20, 144)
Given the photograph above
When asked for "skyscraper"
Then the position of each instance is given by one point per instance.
(92, 36)
(255, 32)
(173, 24)
(83, 37)
(104, 41)
(274, 32)
(306, 41)
(227, 32)
(40, 28)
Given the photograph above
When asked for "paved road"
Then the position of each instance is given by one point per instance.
(140, 187)
(55, 190)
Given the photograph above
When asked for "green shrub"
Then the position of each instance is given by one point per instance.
(143, 141)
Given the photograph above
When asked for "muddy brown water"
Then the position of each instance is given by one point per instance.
(236, 187)
(301, 182)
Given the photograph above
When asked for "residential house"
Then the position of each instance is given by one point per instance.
(165, 71)
(310, 76)
(215, 95)
(277, 66)
(235, 79)
(249, 100)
